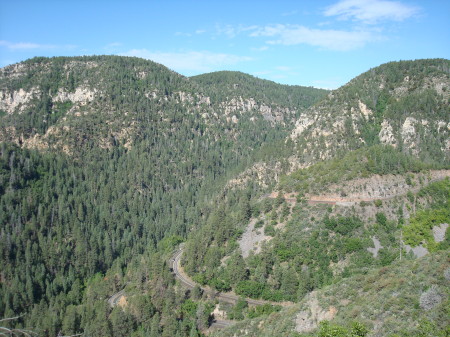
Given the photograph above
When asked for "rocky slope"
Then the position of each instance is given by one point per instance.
(390, 301)
(66, 102)
(403, 104)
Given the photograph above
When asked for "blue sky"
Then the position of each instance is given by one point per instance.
(322, 43)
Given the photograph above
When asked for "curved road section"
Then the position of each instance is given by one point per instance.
(114, 299)
(189, 283)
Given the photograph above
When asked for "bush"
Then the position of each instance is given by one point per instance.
(326, 329)
(420, 227)
(249, 288)
(259, 224)
(269, 230)
(381, 218)
(342, 225)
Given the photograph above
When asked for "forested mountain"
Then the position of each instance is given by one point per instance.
(402, 104)
(107, 163)
(367, 184)
(102, 158)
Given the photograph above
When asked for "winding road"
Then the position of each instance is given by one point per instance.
(114, 299)
(225, 297)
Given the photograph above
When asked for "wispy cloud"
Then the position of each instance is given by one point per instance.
(328, 83)
(183, 34)
(196, 61)
(283, 68)
(371, 11)
(259, 49)
(111, 47)
(232, 31)
(326, 38)
(291, 13)
(114, 44)
(24, 45)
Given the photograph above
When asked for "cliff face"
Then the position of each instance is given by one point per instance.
(403, 104)
(63, 103)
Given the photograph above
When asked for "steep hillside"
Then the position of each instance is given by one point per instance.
(408, 298)
(106, 163)
(404, 104)
(233, 88)
(327, 222)
(106, 101)
(347, 201)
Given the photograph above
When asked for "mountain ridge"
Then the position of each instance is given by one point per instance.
(108, 163)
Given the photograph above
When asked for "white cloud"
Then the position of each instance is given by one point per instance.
(114, 44)
(283, 68)
(24, 45)
(232, 31)
(263, 48)
(328, 83)
(111, 47)
(289, 13)
(329, 39)
(371, 11)
(14, 46)
(192, 61)
(183, 34)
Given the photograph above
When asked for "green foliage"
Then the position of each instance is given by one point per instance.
(343, 225)
(223, 84)
(170, 242)
(261, 310)
(130, 174)
(420, 227)
(249, 288)
(259, 224)
(189, 308)
(237, 312)
(381, 218)
(269, 230)
(377, 159)
(438, 192)
(352, 245)
(333, 330)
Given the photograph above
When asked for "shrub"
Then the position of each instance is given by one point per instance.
(249, 288)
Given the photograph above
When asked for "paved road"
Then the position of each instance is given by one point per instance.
(220, 324)
(114, 299)
(189, 283)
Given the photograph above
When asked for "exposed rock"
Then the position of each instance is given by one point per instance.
(10, 100)
(219, 314)
(239, 105)
(447, 274)
(365, 110)
(430, 298)
(82, 95)
(386, 134)
(409, 134)
(308, 320)
(379, 187)
(251, 239)
(377, 245)
(418, 251)
(301, 125)
(439, 232)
